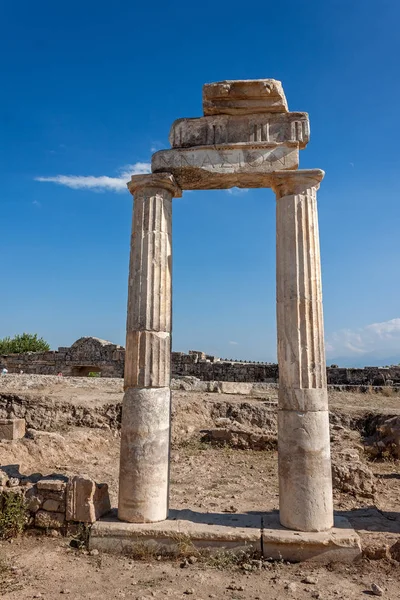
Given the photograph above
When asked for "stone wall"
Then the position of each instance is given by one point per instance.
(86, 355)
(56, 501)
(90, 354)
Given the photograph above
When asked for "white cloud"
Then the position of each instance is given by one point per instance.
(237, 191)
(37, 204)
(380, 338)
(234, 343)
(102, 182)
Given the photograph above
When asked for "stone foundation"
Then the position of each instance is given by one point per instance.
(259, 532)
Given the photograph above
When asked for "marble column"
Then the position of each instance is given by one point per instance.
(305, 481)
(145, 427)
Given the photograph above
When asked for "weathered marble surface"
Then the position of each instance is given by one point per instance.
(145, 425)
(244, 97)
(233, 129)
(144, 460)
(305, 481)
(205, 167)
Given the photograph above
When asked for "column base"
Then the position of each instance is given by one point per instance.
(260, 532)
(144, 460)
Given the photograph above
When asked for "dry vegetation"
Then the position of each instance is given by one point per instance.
(76, 429)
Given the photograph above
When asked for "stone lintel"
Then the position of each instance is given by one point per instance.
(226, 165)
(233, 129)
(244, 96)
(154, 180)
(261, 531)
(286, 183)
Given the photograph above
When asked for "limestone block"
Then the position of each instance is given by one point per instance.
(351, 476)
(213, 530)
(52, 484)
(305, 478)
(148, 359)
(231, 531)
(144, 458)
(242, 165)
(12, 429)
(33, 503)
(244, 97)
(53, 505)
(49, 520)
(87, 500)
(234, 387)
(235, 129)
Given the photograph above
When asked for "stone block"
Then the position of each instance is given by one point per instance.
(53, 505)
(236, 129)
(225, 166)
(86, 500)
(234, 387)
(12, 429)
(339, 544)
(258, 531)
(243, 97)
(204, 530)
(52, 484)
(49, 520)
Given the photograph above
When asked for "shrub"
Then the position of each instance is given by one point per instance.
(26, 342)
(13, 515)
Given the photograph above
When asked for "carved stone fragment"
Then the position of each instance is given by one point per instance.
(236, 129)
(244, 97)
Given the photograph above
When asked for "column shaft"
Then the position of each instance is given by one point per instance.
(145, 426)
(305, 482)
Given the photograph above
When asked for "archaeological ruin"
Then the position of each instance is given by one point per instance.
(246, 138)
(91, 356)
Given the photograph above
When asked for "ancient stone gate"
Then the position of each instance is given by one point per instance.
(247, 138)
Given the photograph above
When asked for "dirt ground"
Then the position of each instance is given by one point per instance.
(75, 426)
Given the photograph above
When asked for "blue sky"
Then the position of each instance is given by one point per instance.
(92, 88)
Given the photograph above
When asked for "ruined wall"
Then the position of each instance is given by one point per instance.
(210, 368)
(92, 354)
(88, 354)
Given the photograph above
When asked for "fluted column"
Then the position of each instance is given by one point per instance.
(145, 427)
(305, 481)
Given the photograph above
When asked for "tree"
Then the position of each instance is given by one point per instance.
(26, 342)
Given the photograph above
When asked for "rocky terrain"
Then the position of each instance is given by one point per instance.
(223, 459)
